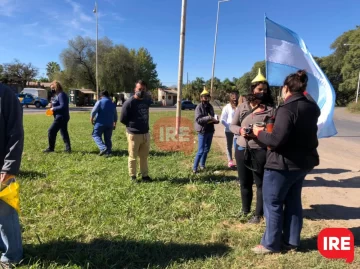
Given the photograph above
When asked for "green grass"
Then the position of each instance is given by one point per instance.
(82, 211)
(354, 107)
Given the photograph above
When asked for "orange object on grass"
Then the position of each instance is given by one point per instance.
(49, 112)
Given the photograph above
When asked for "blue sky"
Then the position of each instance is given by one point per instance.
(37, 30)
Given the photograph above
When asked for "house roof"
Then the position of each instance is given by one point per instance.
(171, 91)
(35, 83)
(87, 91)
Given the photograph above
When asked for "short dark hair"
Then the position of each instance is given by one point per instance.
(141, 82)
(105, 93)
(297, 82)
(234, 92)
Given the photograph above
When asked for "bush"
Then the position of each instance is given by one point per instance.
(354, 107)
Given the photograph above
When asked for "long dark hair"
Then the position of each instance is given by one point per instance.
(269, 100)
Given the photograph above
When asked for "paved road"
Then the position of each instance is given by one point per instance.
(88, 109)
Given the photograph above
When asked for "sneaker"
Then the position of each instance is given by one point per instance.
(48, 150)
(108, 155)
(231, 164)
(146, 179)
(133, 178)
(202, 168)
(67, 150)
(254, 220)
(261, 250)
(103, 152)
(6, 265)
(194, 172)
(288, 247)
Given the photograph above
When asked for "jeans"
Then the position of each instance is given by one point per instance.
(10, 232)
(283, 208)
(138, 145)
(247, 178)
(62, 125)
(204, 145)
(98, 132)
(229, 143)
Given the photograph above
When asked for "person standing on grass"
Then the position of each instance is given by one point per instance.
(11, 148)
(293, 154)
(104, 118)
(226, 119)
(135, 116)
(60, 108)
(204, 126)
(251, 154)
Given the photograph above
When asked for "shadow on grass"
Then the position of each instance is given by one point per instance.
(332, 212)
(124, 153)
(103, 253)
(29, 175)
(205, 178)
(310, 244)
(343, 183)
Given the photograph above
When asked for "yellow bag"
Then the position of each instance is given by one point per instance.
(10, 195)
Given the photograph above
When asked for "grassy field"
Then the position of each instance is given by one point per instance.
(82, 211)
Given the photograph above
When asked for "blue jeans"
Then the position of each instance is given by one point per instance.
(282, 208)
(98, 132)
(10, 242)
(204, 142)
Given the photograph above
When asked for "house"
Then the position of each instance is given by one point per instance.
(38, 84)
(167, 97)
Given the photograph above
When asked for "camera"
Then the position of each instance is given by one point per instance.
(248, 130)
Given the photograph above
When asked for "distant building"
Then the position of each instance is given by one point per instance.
(167, 97)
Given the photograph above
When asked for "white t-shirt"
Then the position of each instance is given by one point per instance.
(227, 115)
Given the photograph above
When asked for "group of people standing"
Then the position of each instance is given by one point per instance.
(275, 148)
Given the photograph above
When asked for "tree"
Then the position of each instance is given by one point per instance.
(118, 70)
(43, 79)
(51, 69)
(145, 67)
(18, 72)
(1, 73)
(244, 82)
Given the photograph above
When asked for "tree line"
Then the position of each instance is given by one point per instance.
(120, 66)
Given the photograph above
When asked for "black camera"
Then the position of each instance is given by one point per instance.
(248, 130)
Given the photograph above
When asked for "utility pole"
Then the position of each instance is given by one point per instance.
(357, 91)
(181, 65)
(97, 37)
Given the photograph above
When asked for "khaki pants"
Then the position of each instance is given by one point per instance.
(139, 145)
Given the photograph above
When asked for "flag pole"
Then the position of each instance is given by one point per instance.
(97, 37)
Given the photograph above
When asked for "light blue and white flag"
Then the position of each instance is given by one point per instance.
(287, 53)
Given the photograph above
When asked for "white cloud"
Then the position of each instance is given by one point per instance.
(7, 7)
(78, 12)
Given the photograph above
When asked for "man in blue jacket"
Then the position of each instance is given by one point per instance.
(104, 118)
(11, 148)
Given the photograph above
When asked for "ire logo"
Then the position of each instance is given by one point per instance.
(165, 137)
(336, 243)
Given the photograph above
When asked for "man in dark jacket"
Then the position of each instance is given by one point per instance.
(204, 125)
(104, 118)
(11, 148)
(135, 116)
(293, 154)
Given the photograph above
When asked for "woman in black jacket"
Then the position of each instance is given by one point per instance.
(293, 154)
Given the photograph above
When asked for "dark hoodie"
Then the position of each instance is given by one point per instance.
(203, 116)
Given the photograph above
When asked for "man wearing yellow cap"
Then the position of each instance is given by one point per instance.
(205, 119)
(11, 148)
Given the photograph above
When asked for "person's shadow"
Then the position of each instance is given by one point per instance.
(118, 253)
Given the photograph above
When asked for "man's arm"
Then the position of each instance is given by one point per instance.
(14, 134)
(282, 128)
(124, 116)
(94, 111)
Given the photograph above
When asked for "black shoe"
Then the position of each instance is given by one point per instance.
(146, 179)
(243, 214)
(48, 150)
(133, 178)
(288, 247)
(103, 152)
(108, 155)
(67, 150)
(254, 220)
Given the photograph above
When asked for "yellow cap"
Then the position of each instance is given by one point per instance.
(204, 92)
(259, 78)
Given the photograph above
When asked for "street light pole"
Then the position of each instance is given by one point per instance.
(214, 56)
(97, 37)
(358, 86)
(181, 66)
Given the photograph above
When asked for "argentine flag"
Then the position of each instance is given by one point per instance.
(287, 53)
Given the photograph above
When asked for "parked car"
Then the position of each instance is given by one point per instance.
(28, 99)
(187, 105)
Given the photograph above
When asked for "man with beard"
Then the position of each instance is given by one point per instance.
(205, 119)
(226, 119)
